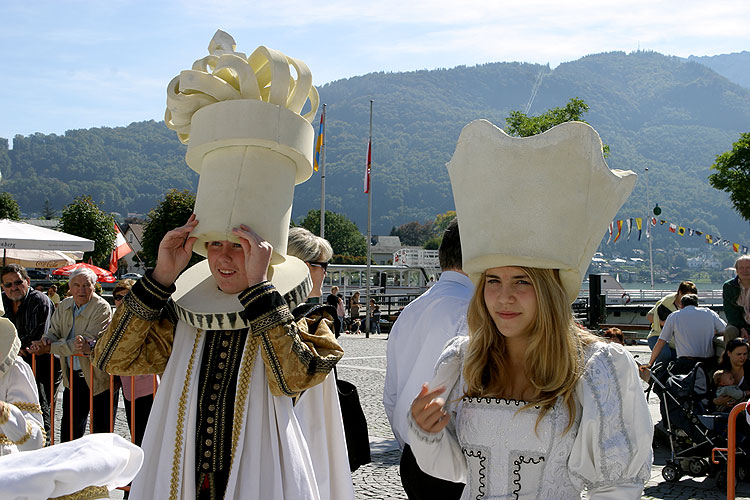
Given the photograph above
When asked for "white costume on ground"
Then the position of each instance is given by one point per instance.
(493, 448)
(416, 341)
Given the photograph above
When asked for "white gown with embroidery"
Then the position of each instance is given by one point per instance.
(495, 450)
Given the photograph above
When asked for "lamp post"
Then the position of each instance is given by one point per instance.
(648, 232)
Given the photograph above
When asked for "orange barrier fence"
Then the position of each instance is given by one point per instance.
(731, 449)
(112, 393)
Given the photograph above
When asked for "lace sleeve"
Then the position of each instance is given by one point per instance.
(612, 454)
(439, 453)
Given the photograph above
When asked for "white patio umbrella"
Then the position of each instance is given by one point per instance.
(43, 259)
(22, 236)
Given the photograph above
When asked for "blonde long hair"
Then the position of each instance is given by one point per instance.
(554, 355)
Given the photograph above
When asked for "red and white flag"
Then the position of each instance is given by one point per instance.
(367, 167)
(120, 250)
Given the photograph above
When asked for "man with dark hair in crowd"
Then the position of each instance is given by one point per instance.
(30, 311)
(658, 315)
(414, 345)
(693, 329)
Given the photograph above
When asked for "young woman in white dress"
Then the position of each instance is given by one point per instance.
(530, 405)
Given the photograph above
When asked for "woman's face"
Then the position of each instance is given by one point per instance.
(317, 275)
(738, 356)
(511, 300)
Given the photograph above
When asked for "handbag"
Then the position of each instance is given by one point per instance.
(355, 424)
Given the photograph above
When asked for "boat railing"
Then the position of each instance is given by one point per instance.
(625, 297)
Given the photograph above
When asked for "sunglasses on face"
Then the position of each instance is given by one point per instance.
(323, 265)
(119, 296)
(11, 284)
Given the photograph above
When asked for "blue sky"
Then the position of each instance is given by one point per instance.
(80, 64)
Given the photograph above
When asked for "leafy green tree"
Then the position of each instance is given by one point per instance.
(9, 207)
(343, 234)
(170, 213)
(442, 221)
(84, 218)
(521, 125)
(733, 174)
(413, 233)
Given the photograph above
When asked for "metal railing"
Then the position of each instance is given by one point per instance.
(112, 392)
(731, 449)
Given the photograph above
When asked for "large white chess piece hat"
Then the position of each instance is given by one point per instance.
(543, 201)
(242, 120)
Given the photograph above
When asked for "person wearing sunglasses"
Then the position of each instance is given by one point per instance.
(318, 406)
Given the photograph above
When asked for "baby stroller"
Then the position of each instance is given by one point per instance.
(693, 431)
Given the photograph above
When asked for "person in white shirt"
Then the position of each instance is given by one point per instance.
(414, 345)
(693, 329)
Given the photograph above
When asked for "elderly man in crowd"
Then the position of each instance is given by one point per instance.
(693, 329)
(76, 324)
(30, 312)
(736, 295)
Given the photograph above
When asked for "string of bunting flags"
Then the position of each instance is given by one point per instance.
(616, 229)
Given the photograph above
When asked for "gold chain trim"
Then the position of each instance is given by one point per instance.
(181, 411)
(243, 388)
(7, 441)
(5, 414)
(86, 494)
(28, 407)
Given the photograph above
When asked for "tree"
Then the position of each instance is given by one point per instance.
(733, 175)
(343, 234)
(84, 218)
(413, 233)
(9, 207)
(170, 213)
(442, 221)
(521, 125)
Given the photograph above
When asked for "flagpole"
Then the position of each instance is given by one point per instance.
(323, 175)
(648, 232)
(369, 224)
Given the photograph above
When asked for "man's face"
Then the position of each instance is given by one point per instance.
(81, 289)
(227, 263)
(743, 270)
(15, 286)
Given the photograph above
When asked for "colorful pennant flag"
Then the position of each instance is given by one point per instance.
(736, 247)
(630, 227)
(319, 142)
(610, 233)
(672, 228)
(120, 249)
(638, 224)
(619, 230)
(681, 231)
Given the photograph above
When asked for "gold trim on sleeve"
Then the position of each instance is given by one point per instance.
(5, 413)
(27, 407)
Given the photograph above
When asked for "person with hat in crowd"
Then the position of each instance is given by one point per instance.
(234, 358)
(76, 324)
(318, 409)
(531, 405)
(21, 424)
(31, 311)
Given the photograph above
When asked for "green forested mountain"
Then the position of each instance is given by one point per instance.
(735, 66)
(665, 113)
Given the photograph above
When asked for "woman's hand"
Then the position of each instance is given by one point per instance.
(428, 410)
(257, 254)
(175, 251)
(41, 346)
(725, 401)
